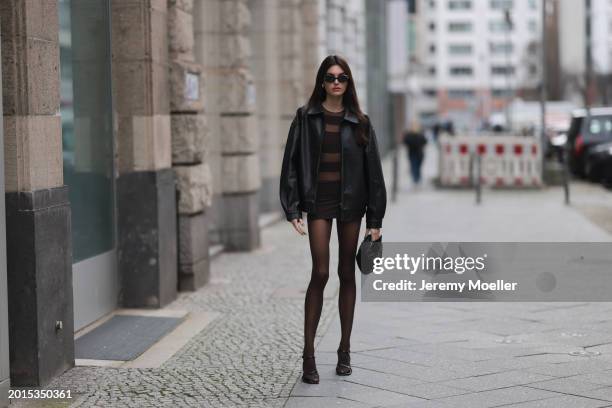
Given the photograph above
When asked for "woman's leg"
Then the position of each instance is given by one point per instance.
(348, 238)
(319, 232)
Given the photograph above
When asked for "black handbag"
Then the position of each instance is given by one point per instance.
(368, 250)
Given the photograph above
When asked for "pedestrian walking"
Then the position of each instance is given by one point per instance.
(331, 169)
(415, 142)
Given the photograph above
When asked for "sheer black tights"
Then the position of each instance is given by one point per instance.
(319, 232)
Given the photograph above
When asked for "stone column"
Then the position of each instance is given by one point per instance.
(222, 48)
(207, 48)
(264, 38)
(358, 64)
(313, 41)
(146, 195)
(291, 83)
(39, 250)
(378, 96)
(239, 135)
(188, 147)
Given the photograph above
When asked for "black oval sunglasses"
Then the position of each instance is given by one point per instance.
(341, 78)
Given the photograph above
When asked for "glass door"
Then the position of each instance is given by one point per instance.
(87, 137)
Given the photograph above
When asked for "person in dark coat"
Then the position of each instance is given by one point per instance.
(415, 142)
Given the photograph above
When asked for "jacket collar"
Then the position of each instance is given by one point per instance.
(348, 114)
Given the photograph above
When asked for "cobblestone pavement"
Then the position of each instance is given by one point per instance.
(249, 356)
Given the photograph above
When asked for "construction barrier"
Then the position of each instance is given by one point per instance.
(506, 161)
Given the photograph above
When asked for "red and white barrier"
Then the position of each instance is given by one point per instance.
(506, 161)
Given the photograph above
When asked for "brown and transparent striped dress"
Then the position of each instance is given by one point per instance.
(328, 184)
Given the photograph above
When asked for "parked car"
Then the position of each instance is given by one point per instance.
(582, 135)
(598, 163)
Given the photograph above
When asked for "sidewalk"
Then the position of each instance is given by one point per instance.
(249, 356)
(475, 354)
(404, 354)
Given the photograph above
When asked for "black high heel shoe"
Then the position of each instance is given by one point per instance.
(312, 376)
(344, 363)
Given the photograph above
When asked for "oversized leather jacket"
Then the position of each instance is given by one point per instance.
(362, 182)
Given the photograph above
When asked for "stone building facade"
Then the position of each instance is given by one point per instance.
(136, 150)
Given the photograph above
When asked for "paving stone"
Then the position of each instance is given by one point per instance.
(308, 402)
(566, 401)
(604, 393)
(584, 366)
(493, 398)
(600, 377)
(568, 384)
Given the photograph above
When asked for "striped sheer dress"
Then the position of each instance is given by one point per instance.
(328, 183)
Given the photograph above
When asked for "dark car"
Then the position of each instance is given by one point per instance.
(582, 135)
(598, 163)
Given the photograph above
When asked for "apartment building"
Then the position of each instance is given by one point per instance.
(471, 56)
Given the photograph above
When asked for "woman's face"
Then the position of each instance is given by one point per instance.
(335, 88)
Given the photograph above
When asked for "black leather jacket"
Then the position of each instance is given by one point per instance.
(362, 181)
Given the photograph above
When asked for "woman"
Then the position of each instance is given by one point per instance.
(331, 169)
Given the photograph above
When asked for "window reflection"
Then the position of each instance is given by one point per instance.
(87, 123)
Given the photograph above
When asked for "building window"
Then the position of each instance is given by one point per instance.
(432, 4)
(533, 4)
(532, 25)
(87, 122)
(432, 26)
(460, 26)
(460, 93)
(459, 4)
(430, 92)
(501, 93)
(432, 71)
(502, 70)
(532, 48)
(499, 26)
(501, 4)
(501, 47)
(460, 70)
(460, 49)
(432, 48)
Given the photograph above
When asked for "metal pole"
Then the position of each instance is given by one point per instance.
(4, 339)
(509, 97)
(564, 158)
(395, 172)
(478, 178)
(589, 60)
(393, 108)
(543, 93)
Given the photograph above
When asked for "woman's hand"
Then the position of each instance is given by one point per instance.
(375, 233)
(298, 224)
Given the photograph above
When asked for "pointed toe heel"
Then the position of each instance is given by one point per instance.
(344, 363)
(310, 376)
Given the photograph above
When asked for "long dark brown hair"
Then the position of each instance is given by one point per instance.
(349, 98)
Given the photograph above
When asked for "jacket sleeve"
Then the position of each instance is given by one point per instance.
(377, 193)
(289, 192)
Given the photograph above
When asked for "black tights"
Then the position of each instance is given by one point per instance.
(319, 232)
